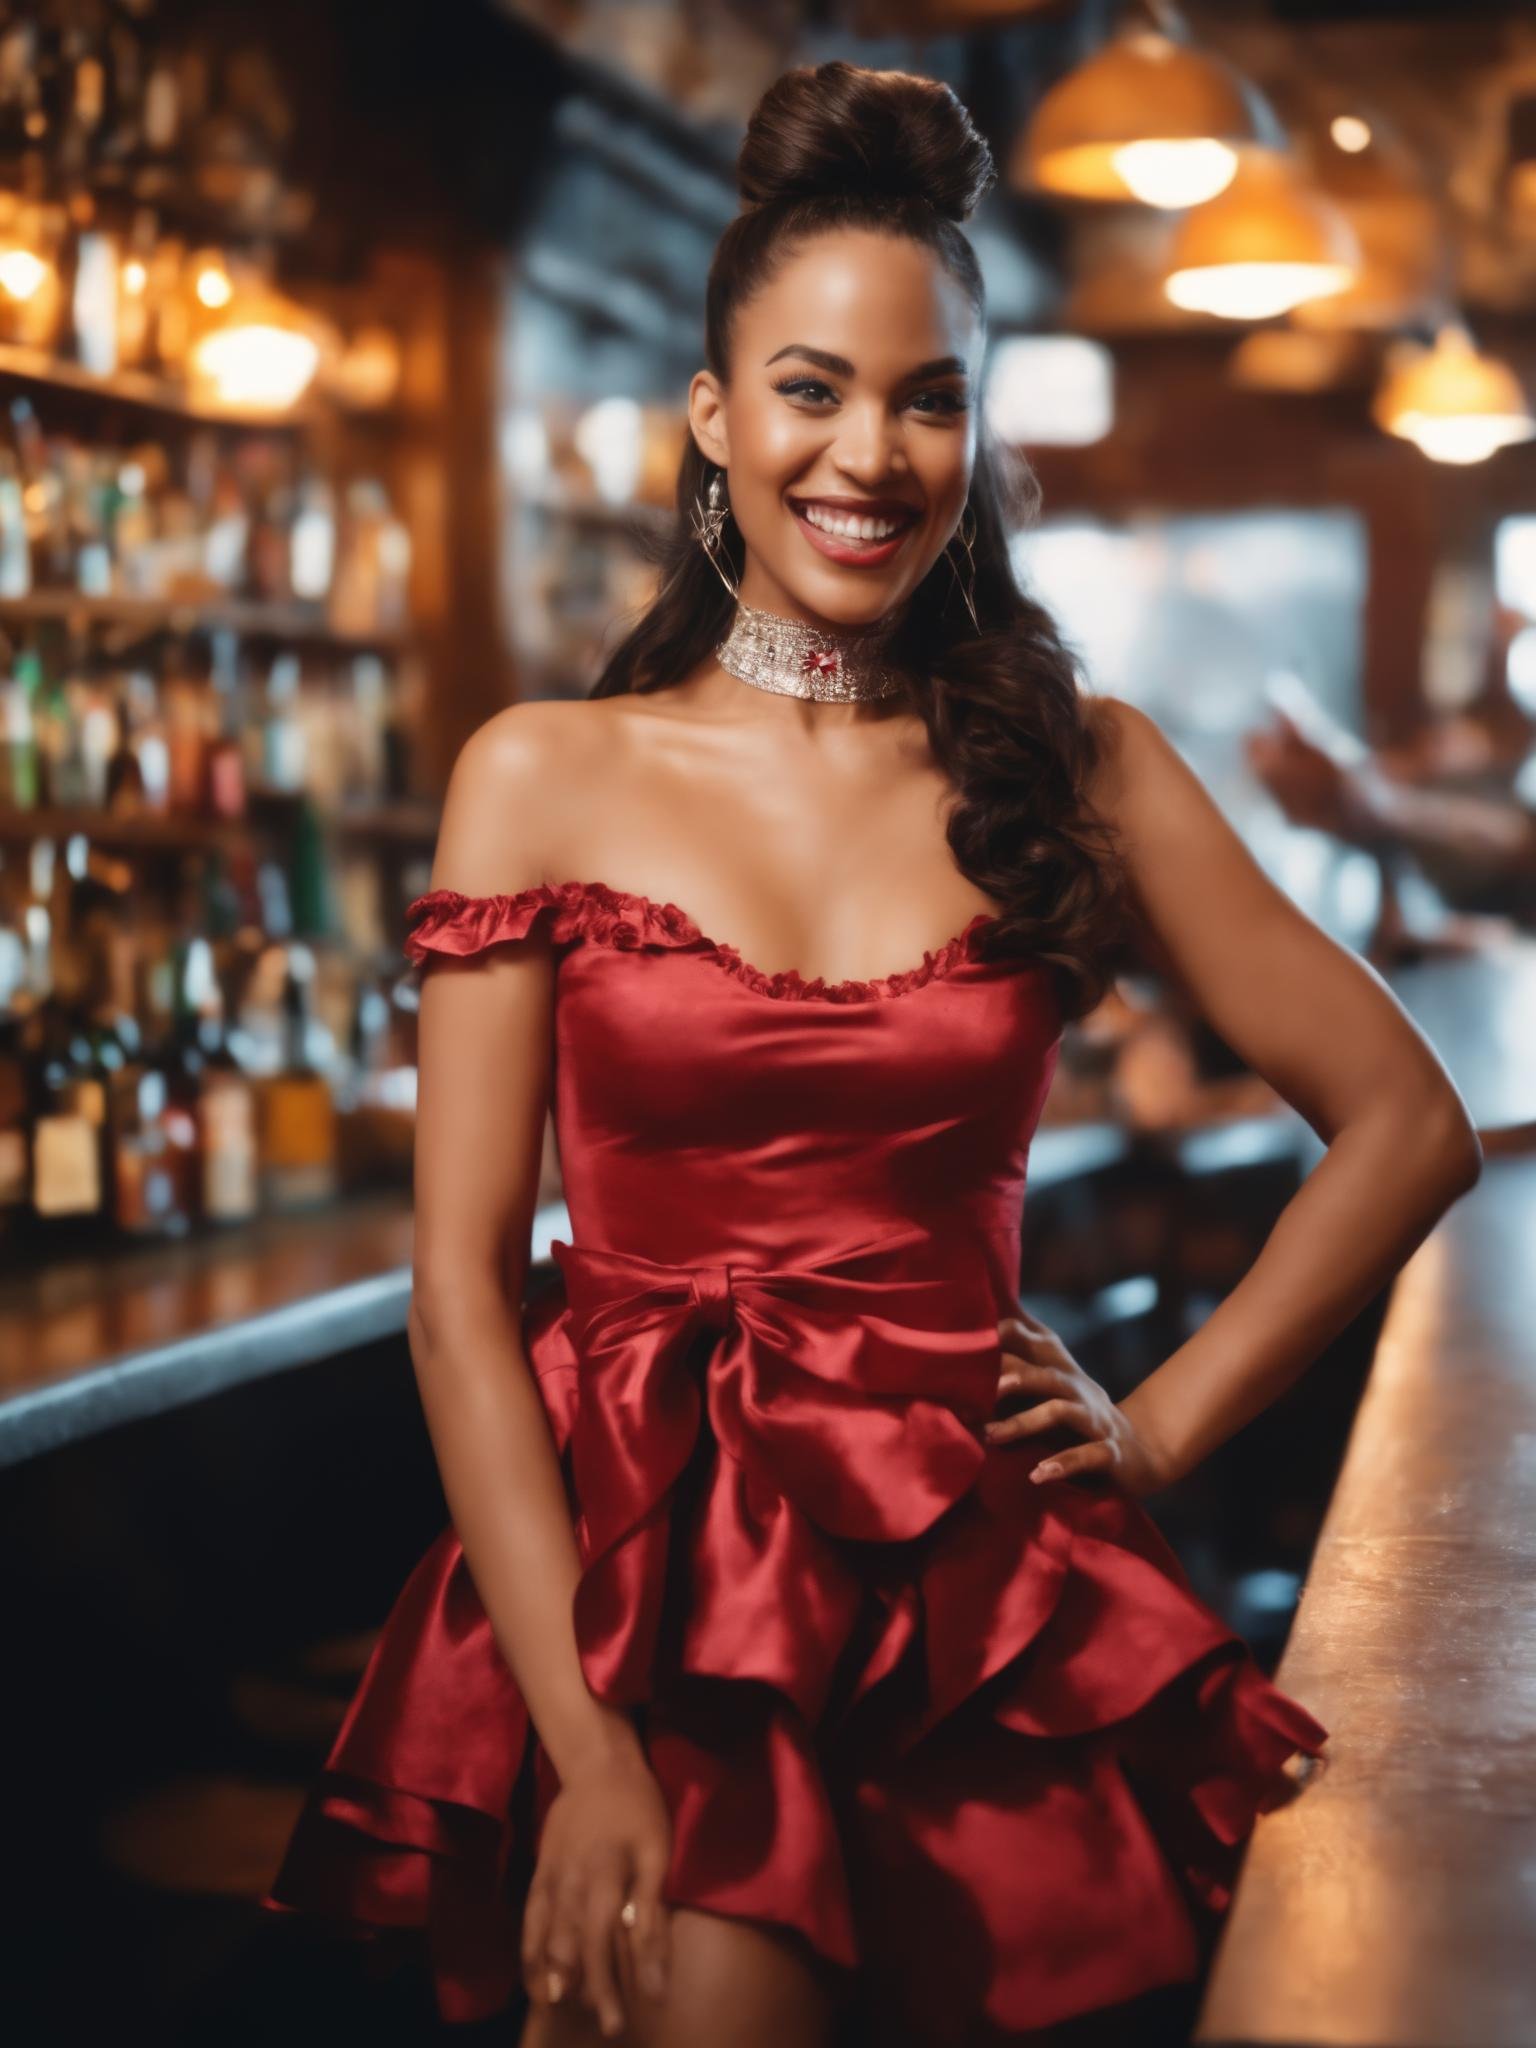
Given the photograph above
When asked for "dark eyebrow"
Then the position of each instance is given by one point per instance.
(941, 366)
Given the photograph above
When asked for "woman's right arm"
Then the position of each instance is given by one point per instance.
(485, 1060)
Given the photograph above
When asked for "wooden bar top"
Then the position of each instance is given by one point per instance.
(1393, 1904)
(87, 1344)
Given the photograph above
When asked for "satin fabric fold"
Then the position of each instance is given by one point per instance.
(973, 1741)
(818, 1384)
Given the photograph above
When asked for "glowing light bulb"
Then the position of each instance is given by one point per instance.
(1254, 291)
(21, 273)
(1463, 441)
(1176, 174)
(1454, 403)
(1350, 133)
(257, 364)
(213, 286)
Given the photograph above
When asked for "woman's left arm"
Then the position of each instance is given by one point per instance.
(1320, 1025)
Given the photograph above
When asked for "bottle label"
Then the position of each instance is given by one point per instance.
(67, 1167)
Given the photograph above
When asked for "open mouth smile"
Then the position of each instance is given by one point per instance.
(861, 533)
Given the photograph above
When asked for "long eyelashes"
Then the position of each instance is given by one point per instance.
(951, 402)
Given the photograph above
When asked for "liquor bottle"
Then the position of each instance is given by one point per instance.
(67, 1109)
(20, 769)
(183, 698)
(61, 742)
(183, 1061)
(125, 794)
(283, 764)
(312, 564)
(299, 1138)
(224, 769)
(15, 546)
(145, 1170)
(369, 593)
(227, 1116)
(43, 498)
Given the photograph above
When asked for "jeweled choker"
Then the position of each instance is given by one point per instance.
(796, 660)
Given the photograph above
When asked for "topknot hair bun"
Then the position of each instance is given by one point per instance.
(830, 129)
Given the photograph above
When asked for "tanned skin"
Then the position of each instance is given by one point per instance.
(811, 836)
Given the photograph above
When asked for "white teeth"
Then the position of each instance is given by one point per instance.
(847, 527)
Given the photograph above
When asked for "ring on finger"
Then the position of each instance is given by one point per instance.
(629, 1913)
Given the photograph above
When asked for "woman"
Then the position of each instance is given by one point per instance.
(768, 1687)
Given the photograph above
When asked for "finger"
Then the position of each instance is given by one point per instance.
(1005, 1429)
(562, 1944)
(1025, 1377)
(1098, 1456)
(1025, 1318)
(1018, 1336)
(535, 1933)
(600, 1919)
(650, 1938)
(1040, 1346)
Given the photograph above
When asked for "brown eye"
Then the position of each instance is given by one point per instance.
(795, 385)
(949, 401)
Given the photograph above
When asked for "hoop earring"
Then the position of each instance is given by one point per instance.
(709, 527)
(965, 539)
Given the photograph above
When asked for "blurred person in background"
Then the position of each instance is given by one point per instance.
(1471, 828)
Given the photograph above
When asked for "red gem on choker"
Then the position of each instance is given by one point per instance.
(819, 662)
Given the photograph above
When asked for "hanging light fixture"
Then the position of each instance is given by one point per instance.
(1453, 402)
(1266, 244)
(1148, 118)
(254, 348)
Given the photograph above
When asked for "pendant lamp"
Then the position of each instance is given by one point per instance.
(1147, 118)
(1267, 243)
(1453, 402)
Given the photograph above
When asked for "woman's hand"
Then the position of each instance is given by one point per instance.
(606, 1839)
(1035, 1361)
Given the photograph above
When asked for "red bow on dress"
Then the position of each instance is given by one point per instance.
(846, 1397)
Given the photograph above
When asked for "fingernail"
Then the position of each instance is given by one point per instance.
(612, 2023)
(555, 1985)
(1048, 1470)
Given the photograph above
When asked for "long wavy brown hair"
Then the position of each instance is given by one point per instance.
(835, 146)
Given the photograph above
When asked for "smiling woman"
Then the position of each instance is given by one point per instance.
(757, 1672)
(837, 428)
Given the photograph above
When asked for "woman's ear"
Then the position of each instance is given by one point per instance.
(706, 418)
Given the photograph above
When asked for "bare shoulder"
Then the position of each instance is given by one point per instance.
(511, 783)
(1145, 789)
(1134, 757)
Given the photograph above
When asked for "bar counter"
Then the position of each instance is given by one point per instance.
(88, 1344)
(1390, 1904)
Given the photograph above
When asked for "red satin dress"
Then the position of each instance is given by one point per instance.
(972, 1737)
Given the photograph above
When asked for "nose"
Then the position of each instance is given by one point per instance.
(869, 448)
(710, 1290)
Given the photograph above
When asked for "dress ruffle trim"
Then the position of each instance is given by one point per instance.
(1005, 1769)
(447, 921)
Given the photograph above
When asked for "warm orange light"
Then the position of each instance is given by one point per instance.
(261, 355)
(1147, 119)
(22, 273)
(1454, 403)
(213, 284)
(1266, 244)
